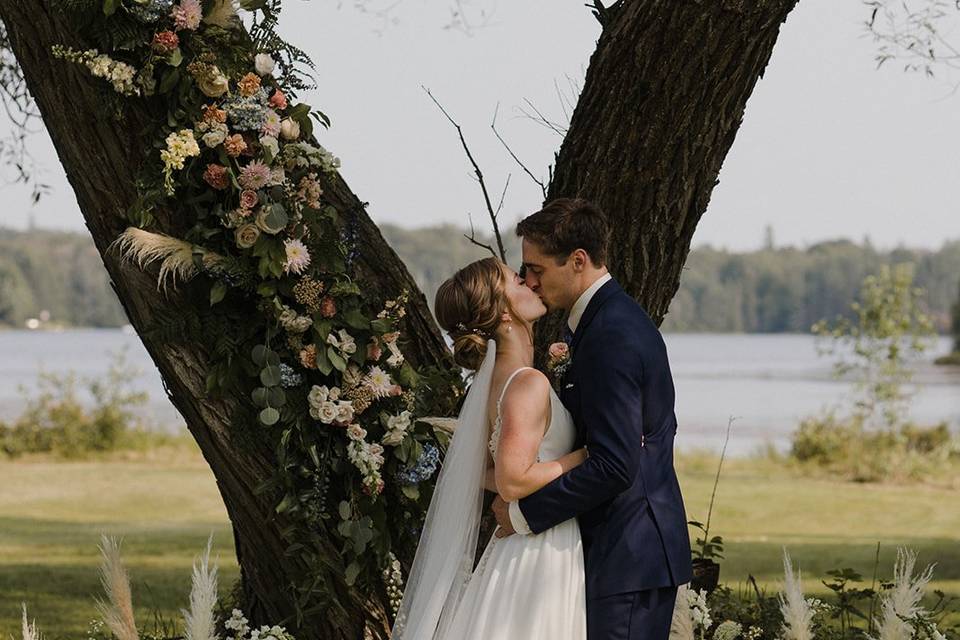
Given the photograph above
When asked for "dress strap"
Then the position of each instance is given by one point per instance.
(507, 384)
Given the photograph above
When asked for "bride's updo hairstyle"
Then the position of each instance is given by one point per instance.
(469, 306)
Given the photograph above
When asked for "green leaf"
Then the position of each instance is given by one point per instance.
(382, 325)
(260, 397)
(270, 376)
(276, 397)
(175, 58)
(344, 509)
(217, 291)
(288, 501)
(269, 416)
(350, 575)
(411, 491)
(355, 319)
(169, 80)
(338, 363)
(259, 354)
(110, 7)
(267, 289)
(323, 362)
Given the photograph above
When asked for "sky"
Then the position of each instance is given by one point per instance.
(829, 147)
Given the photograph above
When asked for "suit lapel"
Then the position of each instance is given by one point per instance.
(602, 295)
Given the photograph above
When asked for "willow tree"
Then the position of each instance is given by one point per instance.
(662, 100)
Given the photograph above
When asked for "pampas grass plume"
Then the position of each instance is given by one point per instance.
(797, 613)
(199, 621)
(29, 629)
(903, 600)
(117, 611)
(681, 627)
(143, 247)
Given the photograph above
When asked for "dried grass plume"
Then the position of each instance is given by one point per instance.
(903, 600)
(117, 611)
(200, 621)
(797, 613)
(144, 247)
(29, 628)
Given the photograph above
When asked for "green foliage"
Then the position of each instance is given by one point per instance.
(58, 422)
(845, 447)
(889, 329)
(60, 272)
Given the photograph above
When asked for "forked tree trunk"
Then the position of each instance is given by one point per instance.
(661, 104)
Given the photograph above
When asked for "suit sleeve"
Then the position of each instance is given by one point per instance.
(610, 383)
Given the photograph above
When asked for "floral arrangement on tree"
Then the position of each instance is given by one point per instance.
(235, 159)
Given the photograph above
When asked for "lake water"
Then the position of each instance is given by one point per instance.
(768, 382)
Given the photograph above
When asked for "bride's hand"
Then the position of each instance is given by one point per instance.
(573, 459)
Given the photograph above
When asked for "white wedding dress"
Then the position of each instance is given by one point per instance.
(528, 587)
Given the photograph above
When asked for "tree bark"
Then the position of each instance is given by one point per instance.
(662, 101)
(661, 104)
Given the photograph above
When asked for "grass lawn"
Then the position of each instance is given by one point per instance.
(52, 513)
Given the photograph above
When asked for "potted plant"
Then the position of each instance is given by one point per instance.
(706, 550)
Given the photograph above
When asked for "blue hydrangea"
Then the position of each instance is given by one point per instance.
(151, 10)
(289, 377)
(246, 113)
(425, 467)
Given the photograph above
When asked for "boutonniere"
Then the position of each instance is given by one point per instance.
(558, 361)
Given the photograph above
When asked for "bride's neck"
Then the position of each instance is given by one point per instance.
(514, 341)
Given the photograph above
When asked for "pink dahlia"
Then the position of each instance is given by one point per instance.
(187, 15)
(278, 100)
(255, 175)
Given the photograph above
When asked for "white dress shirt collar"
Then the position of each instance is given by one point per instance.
(581, 304)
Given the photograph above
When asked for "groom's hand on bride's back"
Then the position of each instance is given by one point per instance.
(502, 514)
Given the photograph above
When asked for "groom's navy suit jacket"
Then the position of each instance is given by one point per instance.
(620, 392)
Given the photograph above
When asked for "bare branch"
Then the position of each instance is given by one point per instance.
(493, 125)
(473, 238)
(539, 118)
(504, 194)
(479, 174)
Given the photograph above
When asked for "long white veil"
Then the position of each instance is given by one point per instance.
(444, 558)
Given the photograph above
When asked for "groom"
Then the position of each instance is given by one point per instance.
(619, 389)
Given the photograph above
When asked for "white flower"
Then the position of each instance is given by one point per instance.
(356, 432)
(215, 135)
(379, 382)
(327, 412)
(400, 422)
(344, 412)
(393, 438)
(298, 257)
(289, 129)
(270, 142)
(318, 395)
(343, 342)
(396, 358)
(263, 63)
(100, 66)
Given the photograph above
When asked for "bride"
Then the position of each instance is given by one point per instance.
(513, 437)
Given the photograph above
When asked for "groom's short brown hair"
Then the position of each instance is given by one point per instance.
(567, 224)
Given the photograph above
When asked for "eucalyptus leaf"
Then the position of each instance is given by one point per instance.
(260, 397)
(338, 363)
(270, 376)
(276, 396)
(259, 354)
(269, 416)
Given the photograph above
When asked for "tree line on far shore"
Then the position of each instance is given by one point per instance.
(770, 290)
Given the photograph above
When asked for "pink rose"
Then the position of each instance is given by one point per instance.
(558, 350)
(278, 101)
(248, 199)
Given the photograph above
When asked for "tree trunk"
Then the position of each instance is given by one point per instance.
(662, 101)
(663, 98)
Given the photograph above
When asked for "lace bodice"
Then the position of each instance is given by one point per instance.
(560, 435)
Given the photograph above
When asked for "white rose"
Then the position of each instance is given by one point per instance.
(263, 63)
(356, 432)
(334, 394)
(344, 411)
(214, 84)
(214, 137)
(318, 395)
(269, 142)
(328, 412)
(289, 129)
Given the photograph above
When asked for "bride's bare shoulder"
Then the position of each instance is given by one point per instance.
(529, 389)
